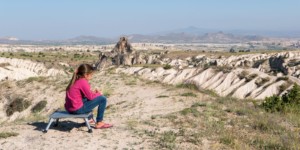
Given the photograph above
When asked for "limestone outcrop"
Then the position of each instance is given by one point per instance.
(240, 83)
(253, 76)
(18, 69)
(287, 63)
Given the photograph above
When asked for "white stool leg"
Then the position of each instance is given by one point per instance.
(49, 124)
(88, 125)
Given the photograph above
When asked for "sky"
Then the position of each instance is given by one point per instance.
(63, 19)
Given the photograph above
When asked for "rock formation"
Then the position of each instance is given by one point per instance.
(124, 54)
(121, 54)
(253, 85)
(254, 76)
(18, 69)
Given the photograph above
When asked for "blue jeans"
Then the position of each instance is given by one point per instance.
(88, 106)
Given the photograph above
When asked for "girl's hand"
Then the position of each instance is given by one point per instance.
(98, 91)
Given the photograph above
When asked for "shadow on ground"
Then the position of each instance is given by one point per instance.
(64, 126)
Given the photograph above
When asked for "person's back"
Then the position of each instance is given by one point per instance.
(76, 92)
(81, 99)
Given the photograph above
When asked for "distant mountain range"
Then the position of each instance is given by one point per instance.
(184, 35)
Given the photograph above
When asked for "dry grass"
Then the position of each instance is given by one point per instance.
(232, 123)
(52, 58)
(4, 135)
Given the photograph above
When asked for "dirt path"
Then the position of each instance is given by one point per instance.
(131, 103)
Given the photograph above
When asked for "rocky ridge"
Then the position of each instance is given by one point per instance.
(18, 69)
(254, 76)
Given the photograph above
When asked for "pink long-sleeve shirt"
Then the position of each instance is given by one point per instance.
(80, 89)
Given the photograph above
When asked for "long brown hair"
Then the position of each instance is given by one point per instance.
(82, 70)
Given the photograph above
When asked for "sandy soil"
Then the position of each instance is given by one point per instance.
(131, 102)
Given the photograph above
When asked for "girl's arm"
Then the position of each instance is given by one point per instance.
(87, 92)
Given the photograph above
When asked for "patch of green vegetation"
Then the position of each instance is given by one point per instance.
(289, 102)
(188, 94)
(210, 92)
(199, 104)
(191, 110)
(226, 100)
(39, 106)
(270, 143)
(4, 135)
(167, 140)
(194, 138)
(227, 139)
(162, 96)
(167, 66)
(241, 112)
(150, 133)
(267, 125)
(171, 117)
(37, 79)
(284, 78)
(17, 105)
(187, 86)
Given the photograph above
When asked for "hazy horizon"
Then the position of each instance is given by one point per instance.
(54, 20)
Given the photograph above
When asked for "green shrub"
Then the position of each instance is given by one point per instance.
(293, 96)
(19, 104)
(290, 101)
(39, 106)
(167, 66)
(273, 104)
